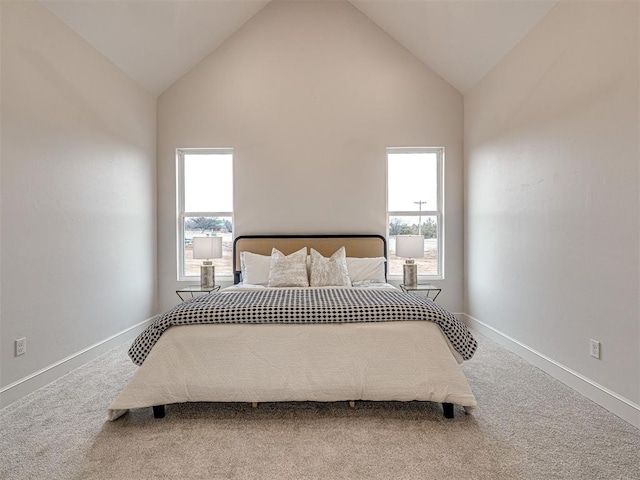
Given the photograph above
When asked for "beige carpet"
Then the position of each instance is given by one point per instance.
(527, 426)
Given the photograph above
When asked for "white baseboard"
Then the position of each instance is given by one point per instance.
(46, 375)
(616, 404)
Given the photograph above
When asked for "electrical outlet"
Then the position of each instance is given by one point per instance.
(594, 348)
(21, 346)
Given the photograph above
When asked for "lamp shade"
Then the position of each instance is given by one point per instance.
(207, 247)
(410, 246)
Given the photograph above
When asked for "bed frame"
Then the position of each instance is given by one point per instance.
(355, 245)
(447, 409)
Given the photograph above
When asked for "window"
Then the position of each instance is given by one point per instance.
(205, 206)
(414, 205)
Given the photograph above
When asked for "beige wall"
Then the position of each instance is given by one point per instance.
(309, 94)
(552, 197)
(78, 260)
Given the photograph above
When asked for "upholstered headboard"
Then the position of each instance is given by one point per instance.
(355, 245)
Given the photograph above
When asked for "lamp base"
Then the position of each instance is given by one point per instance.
(207, 275)
(410, 273)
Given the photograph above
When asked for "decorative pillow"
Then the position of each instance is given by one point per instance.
(328, 272)
(288, 270)
(366, 269)
(255, 268)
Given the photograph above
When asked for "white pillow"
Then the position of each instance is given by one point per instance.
(366, 269)
(255, 268)
(328, 272)
(288, 270)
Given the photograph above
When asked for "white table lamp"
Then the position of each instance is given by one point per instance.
(207, 248)
(410, 247)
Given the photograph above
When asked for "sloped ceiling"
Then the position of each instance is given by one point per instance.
(156, 42)
(461, 40)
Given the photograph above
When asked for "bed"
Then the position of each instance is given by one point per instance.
(302, 343)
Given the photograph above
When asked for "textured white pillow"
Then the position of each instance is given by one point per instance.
(255, 268)
(366, 269)
(288, 270)
(328, 272)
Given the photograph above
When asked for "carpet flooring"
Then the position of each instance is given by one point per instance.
(527, 426)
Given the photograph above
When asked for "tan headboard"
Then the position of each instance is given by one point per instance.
(355, 245)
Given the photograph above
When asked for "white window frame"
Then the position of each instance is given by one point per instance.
(182, 215)
(438, 213)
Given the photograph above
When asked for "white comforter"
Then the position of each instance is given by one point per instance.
(320, 362)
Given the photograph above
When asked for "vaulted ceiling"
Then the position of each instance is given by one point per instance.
(156, 42)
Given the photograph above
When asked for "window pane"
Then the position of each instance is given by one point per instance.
(208, 183)
(412, 182)
(201, 227)
(428, 265)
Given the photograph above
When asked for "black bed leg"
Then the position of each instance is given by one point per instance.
(158, 411)
(447, 409)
